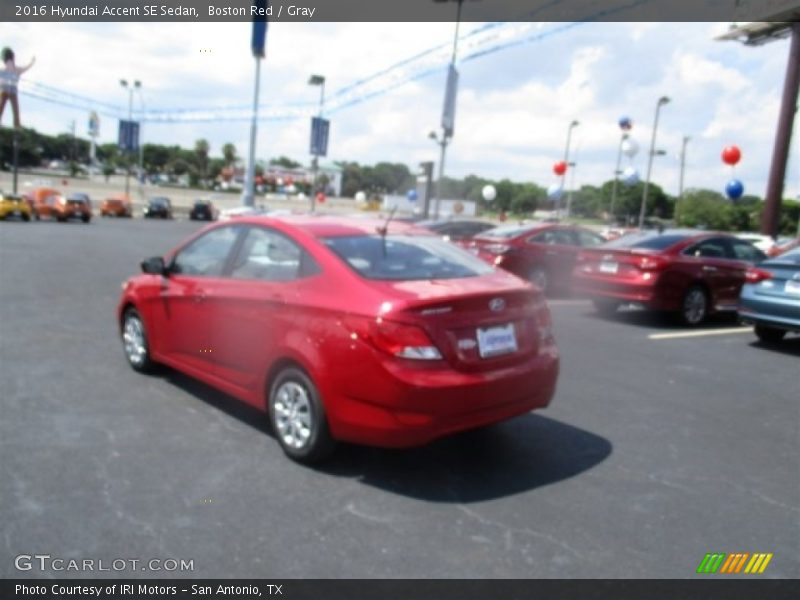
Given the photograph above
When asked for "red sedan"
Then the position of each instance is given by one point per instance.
(343, 329)
(542, 253)
(689, 272)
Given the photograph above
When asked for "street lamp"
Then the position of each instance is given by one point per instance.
(135, 86)
(320, 81)
(617, 173)
(448, 111)
(661, 102)
(572, 126)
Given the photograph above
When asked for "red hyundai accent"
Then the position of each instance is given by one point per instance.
(692, 273)
(542, 253)
(344, 329)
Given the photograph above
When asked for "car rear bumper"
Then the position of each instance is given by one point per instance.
(412, 408)
(781, 313)
(642, 292)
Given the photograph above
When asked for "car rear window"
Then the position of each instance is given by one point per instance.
(405, 257)
(791, 257)
(505, 232)
(648, 241)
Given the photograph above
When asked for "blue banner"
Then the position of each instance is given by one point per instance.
(128, 139)
(259, 41)
(319, 136)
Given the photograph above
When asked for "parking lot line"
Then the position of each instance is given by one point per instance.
(702, 333)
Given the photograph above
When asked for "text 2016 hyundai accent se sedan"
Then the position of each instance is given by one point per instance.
(344, 329)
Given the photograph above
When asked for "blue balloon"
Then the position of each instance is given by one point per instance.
(734, 189)
(411, 195)
(625, 123)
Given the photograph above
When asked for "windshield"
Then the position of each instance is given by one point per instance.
(404, 258)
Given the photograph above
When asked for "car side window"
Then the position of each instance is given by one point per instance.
(711, 248)
(745, 251)
(551, 236)
(588, 239)
(270, 256)
(207, 255)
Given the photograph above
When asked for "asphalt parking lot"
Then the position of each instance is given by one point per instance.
(658, 448)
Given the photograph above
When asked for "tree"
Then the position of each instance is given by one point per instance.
(201, 150)
(285, 162)
(229, 154)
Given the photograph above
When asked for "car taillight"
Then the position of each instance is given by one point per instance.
(497, 248)
(652, 263)
(545, 322)
(403, 341)
(754, 275)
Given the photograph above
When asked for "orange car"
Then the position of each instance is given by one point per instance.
(49, 203)
(118, 206)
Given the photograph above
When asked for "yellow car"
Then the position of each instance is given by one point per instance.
(12, 205)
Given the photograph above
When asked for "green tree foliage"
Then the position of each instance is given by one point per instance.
(285, 162)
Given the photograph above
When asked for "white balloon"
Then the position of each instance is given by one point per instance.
(630, 176)
(554, 191)
(630, 148)
(489, 193)
(361, 197)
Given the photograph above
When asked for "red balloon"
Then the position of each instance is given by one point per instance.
(321, 198)
(560, 168)
(731, 155)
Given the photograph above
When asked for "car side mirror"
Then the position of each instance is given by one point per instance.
(155, 266)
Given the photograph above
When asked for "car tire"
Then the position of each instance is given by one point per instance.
(26, 218)
(538, 276)
(298, 418)
(769, 335)
(694, 306)
(605, 307)
(135, 343)
(86, 219)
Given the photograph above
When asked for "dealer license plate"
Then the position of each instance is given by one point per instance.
(609, 267)
(496, 341)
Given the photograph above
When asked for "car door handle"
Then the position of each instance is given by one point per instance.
(199, 296)
(276, 299)
(551, 252)
(709, 268)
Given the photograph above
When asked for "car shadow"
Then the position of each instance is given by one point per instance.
(517, 456)
(789, 346)
(513, 457)
(651, 319)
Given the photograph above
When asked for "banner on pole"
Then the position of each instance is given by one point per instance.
(319, 136)
(261, 10)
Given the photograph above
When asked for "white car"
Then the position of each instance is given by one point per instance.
(762, 242)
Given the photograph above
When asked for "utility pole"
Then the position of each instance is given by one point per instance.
(686, 139)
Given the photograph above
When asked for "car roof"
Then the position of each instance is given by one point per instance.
(334, 226)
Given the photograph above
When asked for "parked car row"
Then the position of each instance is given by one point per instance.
(50, 203)
(690, 273)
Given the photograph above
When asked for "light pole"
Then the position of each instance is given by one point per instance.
(617, 173)
(136, 85)
(141, 129)
(686, 139)
(448, 111)
(320, 81)
(661, 102)
(572, 166)
(572, 126)
(442, 143)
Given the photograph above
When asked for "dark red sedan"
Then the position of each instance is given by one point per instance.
(692, 273)
(542, 253)
(342, 329)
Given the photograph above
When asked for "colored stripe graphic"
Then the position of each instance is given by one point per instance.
(758, 563)
(734, 563)
(710, 563)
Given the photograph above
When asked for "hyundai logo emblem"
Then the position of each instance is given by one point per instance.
(497, 304)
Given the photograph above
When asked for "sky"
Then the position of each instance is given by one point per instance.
(514, 105)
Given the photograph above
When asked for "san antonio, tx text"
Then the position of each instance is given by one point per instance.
(147, 590)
